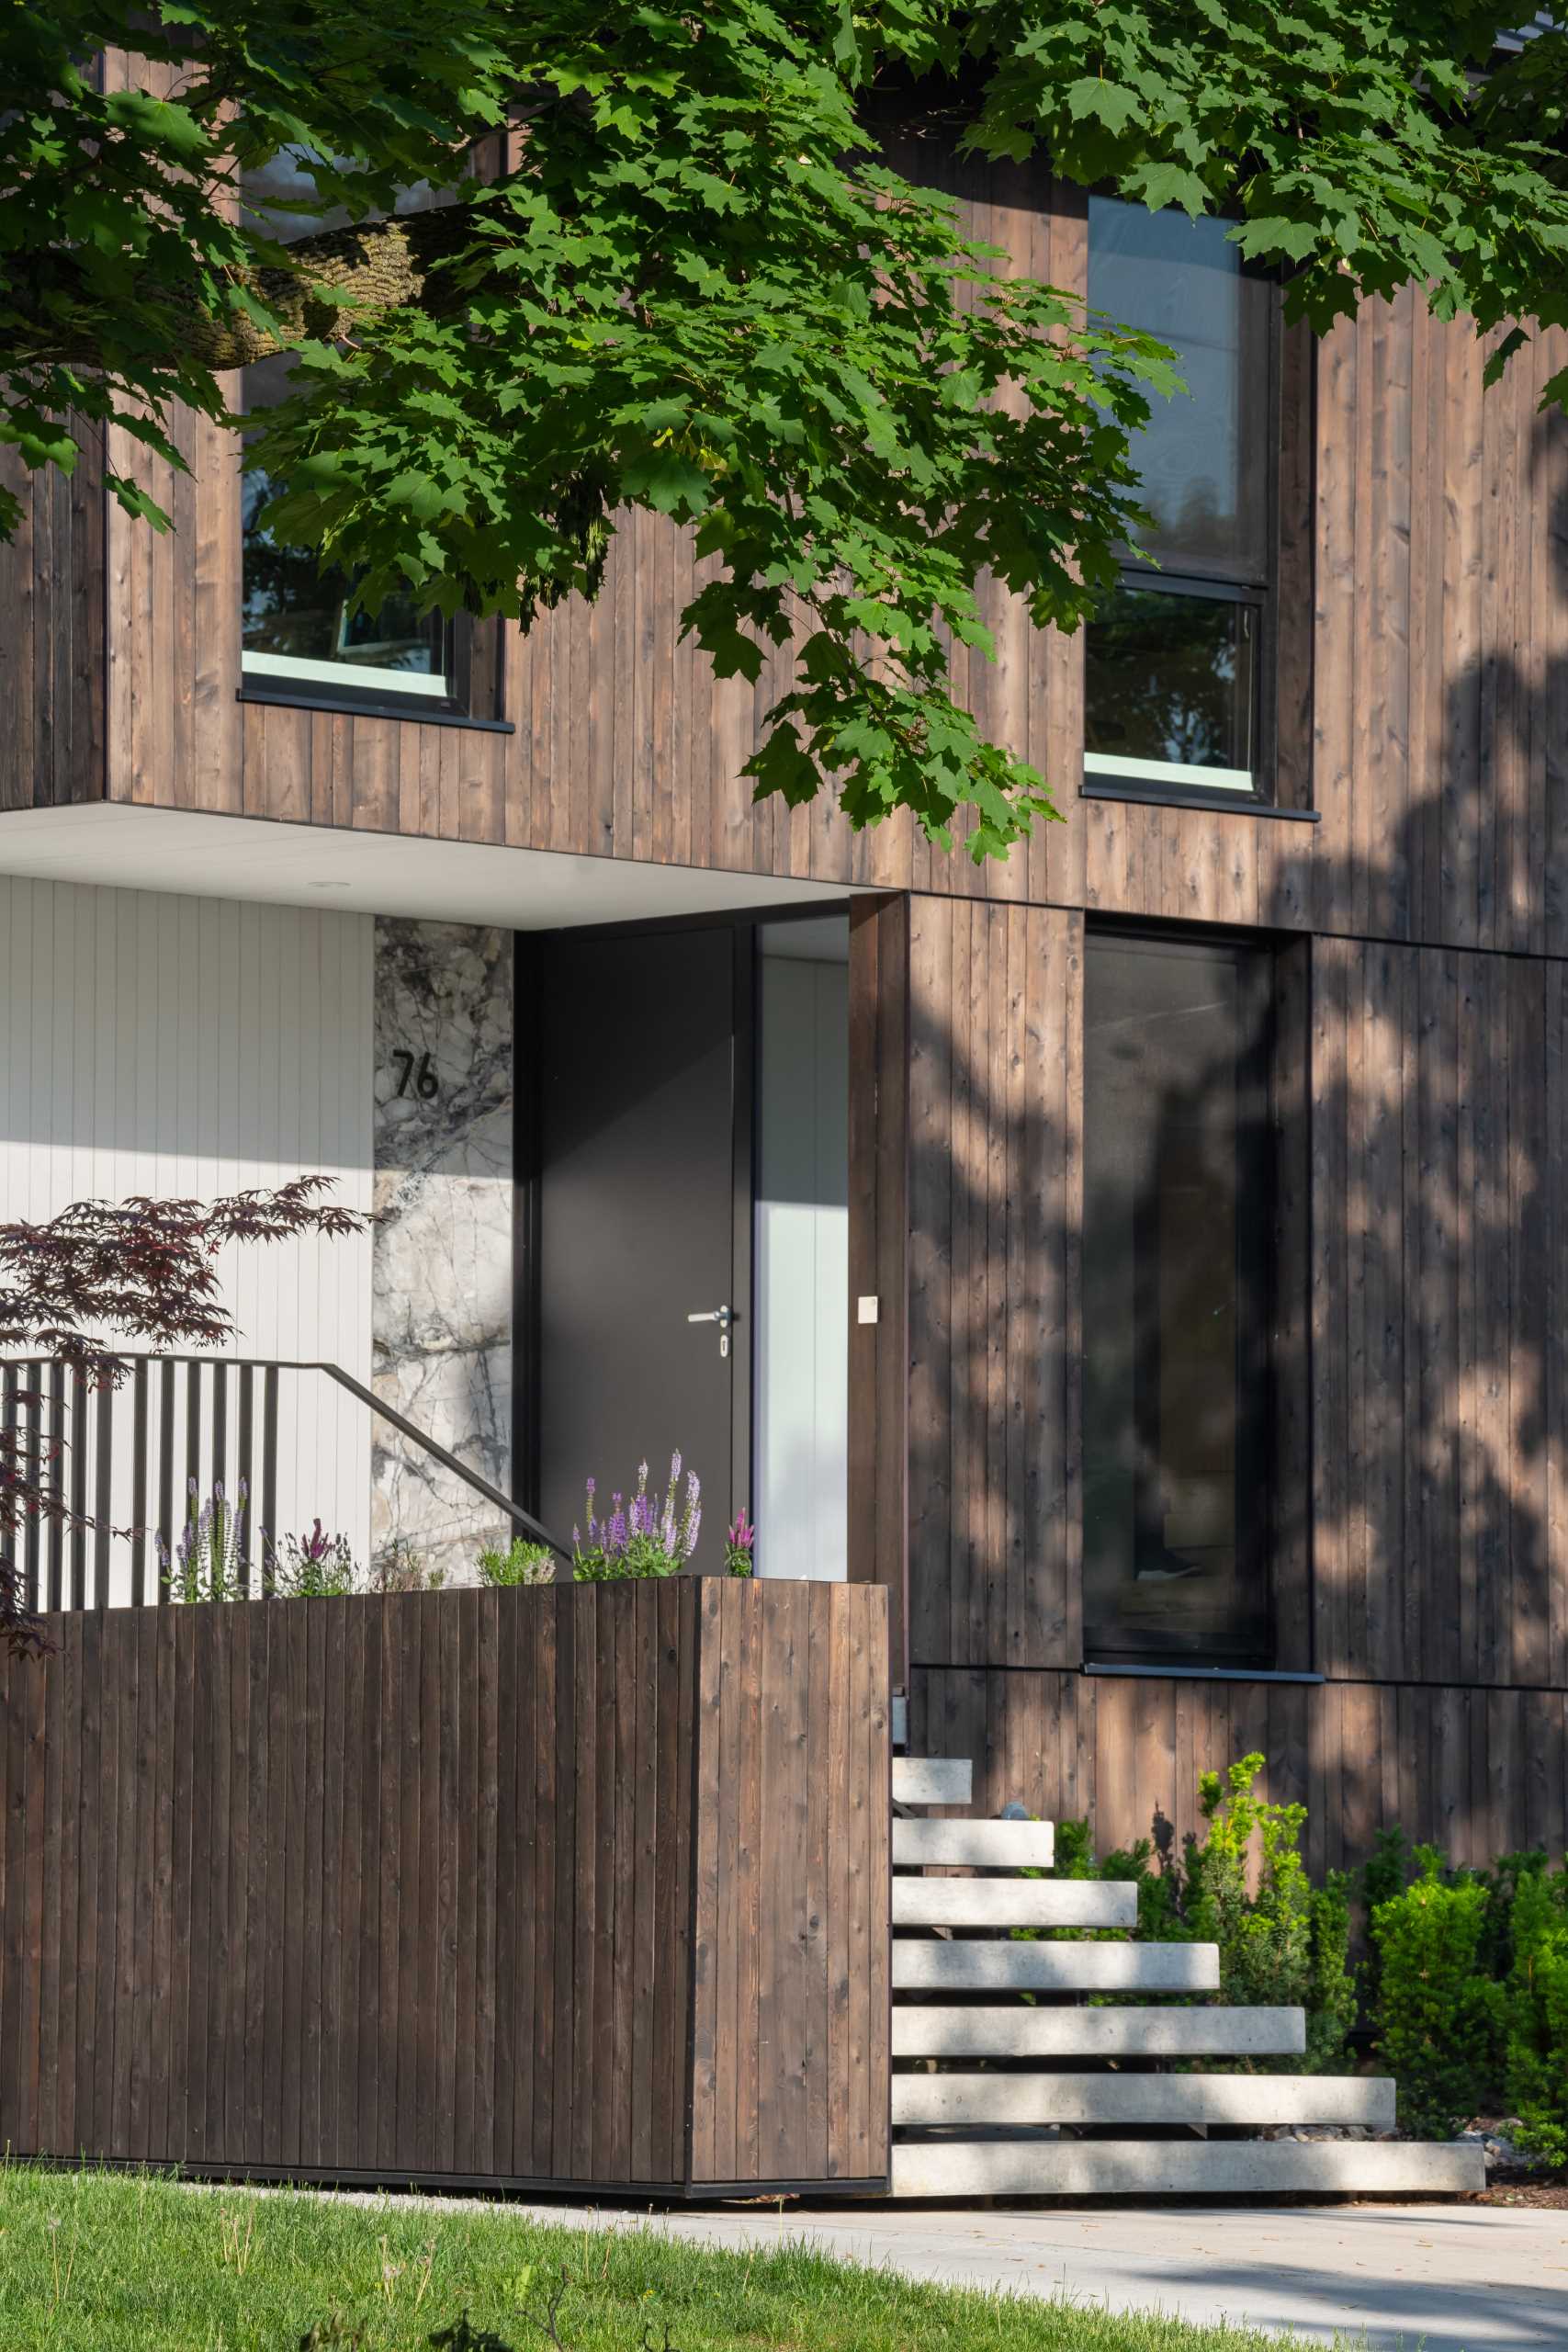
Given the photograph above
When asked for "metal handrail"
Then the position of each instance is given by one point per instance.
(357, 1388)
(514, 1511)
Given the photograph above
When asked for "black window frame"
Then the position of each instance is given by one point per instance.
(1261, 595)
(472, 668)
(1258, 1475)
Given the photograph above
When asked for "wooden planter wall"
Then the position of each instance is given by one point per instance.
(467, 1886)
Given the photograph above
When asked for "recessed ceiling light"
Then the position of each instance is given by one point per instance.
(328, 886)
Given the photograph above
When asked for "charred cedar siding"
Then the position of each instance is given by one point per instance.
(1478, 1771)
(54, 647)
(466, 1885)
(1423, 685)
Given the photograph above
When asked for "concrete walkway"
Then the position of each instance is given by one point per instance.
(1450, 2278)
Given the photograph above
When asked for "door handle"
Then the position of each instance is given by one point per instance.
(723, 1316)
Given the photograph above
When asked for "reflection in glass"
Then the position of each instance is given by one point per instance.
(1177, 1218)
(1200, 455)
(1169, 680)
(296, 620)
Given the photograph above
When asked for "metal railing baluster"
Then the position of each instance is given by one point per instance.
(215, 1440)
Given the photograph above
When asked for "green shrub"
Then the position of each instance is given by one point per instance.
(1159, 1886)
(1286, 1945)
(1386, 1872)
(520, 1562)
(1332, 2002)
(1536, 2015)
(1439, 2016)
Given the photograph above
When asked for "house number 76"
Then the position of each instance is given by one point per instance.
(420, 1080)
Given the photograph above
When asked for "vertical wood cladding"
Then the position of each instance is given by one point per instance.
(1423, 680)
(1441, 686)
(410, 1886)
(996, 1173)
(1422, 687)
(1478, 1772)
(791, 2045)
(53, 620)
(1439, 1244)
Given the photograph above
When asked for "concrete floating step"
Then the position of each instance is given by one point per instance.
(1014, 1903)
(975, 1845)
(932, 1779)
(1000, 2167)
(920, 1967)
(1254, 2100)
(1079, 2032)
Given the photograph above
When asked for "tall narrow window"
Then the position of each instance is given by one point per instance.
(300, 635)
(1176, 662)
(1177, 1278)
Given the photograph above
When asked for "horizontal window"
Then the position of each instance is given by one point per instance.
(1170, 688)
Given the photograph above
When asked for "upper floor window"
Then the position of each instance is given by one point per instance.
(300, 635)
(1178, 1297)
(1178, 685)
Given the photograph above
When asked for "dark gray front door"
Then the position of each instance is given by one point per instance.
(638, 1219)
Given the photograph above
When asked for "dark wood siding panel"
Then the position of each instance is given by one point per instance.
(1482, 1773)
(1438, 1434)
(625, 744)
(1442, 607)
(163, 2084)
(995, 1180)
(404, 1888)
(1434, 682)
(52, 624)
(790, 2019)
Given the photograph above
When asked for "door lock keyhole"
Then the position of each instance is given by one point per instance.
(723, 1316)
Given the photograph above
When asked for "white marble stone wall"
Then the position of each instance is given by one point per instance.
(442, 1276)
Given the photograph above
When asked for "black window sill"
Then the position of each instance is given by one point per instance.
(407, 708)
(1194, 1673)
(1236, 804)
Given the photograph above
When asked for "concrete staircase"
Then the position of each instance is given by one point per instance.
(1071, 2099)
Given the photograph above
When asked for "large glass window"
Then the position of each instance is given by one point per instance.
(299, 633)
(1178, 1216)
(1174, 660)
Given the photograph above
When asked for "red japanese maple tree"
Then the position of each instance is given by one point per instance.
(139, 1270)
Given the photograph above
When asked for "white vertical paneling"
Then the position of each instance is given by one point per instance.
(801, 1270)
(187, 1047)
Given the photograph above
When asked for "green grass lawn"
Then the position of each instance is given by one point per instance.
(97, 2262)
